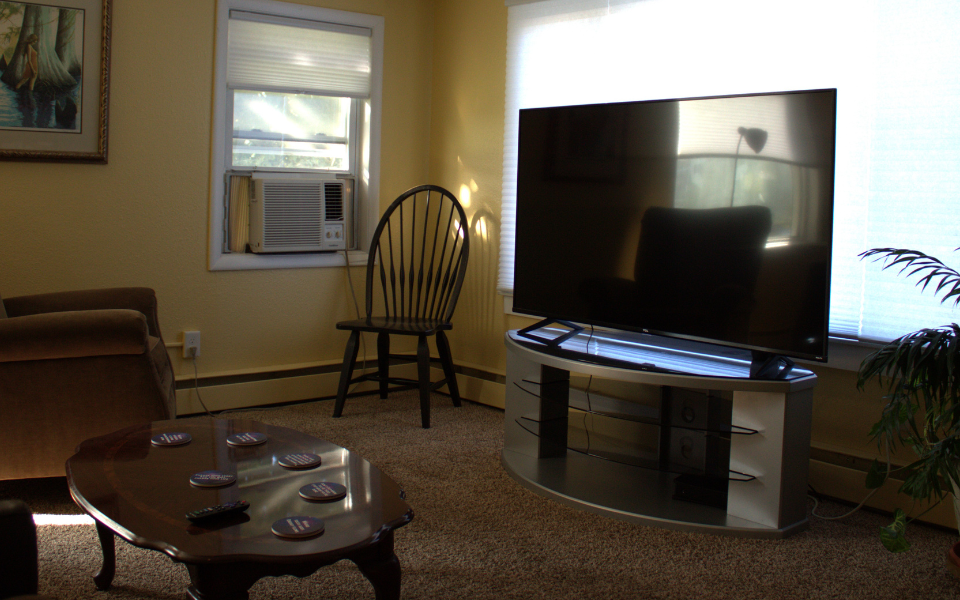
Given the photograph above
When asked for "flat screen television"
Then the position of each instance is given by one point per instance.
(707, 219)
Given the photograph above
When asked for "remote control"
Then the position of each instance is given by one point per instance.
(216, 511)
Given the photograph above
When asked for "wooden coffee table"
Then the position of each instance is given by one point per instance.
(141, 492)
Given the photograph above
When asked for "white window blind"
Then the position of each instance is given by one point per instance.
(702, 132)
(270, 53)
(893, 62)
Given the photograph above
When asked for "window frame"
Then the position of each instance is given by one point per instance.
(366, 148)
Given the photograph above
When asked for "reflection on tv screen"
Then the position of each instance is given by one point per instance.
(706, 218)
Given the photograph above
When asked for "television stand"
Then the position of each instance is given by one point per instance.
(763, 439)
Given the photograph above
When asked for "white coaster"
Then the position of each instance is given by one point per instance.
(298, 527)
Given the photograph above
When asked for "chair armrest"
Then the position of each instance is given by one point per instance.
(73, 334)
(140, 299)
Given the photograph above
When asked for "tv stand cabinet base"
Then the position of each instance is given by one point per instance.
(771, 505)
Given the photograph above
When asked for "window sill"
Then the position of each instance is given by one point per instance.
(240, 262)
(846, 354)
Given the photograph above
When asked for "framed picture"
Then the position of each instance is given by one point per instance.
(54, 80)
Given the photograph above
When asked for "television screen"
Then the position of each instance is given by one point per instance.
(707, 219)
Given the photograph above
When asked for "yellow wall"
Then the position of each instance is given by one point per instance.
(142, 219)
(466, 157)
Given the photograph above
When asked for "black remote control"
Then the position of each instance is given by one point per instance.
(217, 511)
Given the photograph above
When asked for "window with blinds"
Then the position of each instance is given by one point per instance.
(294, 85)
(297, 95)
(893, 62)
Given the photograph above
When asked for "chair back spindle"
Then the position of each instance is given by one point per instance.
(421, 245)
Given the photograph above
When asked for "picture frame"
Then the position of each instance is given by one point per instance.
(54, 80)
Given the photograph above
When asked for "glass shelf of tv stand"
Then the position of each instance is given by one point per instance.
(624, 410)
(643, 462)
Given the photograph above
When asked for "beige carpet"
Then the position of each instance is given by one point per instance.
(478, 534)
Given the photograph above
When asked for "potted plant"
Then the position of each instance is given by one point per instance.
(920, 372)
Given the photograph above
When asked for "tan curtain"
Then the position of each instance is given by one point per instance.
(239, 212)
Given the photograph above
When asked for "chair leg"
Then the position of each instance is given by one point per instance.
(346, 374)
(19, 568)
(446, 359)
(383, 362)
(423, 376)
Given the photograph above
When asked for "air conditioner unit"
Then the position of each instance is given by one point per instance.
(296, 213)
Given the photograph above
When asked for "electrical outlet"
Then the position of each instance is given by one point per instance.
(191, 344)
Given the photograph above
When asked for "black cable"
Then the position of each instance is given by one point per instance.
(587, 392)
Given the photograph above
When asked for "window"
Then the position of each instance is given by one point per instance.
(273, 130)
(298, 92)
(892, 61)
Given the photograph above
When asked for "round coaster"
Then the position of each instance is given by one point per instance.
(171, 439)
(212, 479)
(250, 438)
(298, 527)
(302, 460)
(323, 491)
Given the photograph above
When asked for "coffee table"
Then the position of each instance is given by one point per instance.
(141, 492)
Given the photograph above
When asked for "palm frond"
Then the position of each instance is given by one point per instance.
(920, 372)
(924, 359)
(930, 270)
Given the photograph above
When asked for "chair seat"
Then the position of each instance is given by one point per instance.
(397, 325)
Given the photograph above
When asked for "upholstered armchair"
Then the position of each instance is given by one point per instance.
(76, 365)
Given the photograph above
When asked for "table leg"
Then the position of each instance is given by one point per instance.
(230, 581)
(194, 594)
(104, 577)
(380, 566)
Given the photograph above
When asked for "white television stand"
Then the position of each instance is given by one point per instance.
(769, 434)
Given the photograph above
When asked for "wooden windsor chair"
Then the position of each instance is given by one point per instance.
(419, 254)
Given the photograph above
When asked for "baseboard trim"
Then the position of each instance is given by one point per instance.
(283, 386)
(187, 381)
(847, 484)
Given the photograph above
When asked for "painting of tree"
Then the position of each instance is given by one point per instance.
(42, 71)
(54, 80)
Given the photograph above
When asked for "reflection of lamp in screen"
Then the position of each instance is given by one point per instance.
(756, 139)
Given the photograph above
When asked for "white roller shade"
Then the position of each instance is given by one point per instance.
(893, 62)
(293, 55)
(704, 131)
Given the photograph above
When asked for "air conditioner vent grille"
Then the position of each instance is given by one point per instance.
(294, 213)
(333, 201)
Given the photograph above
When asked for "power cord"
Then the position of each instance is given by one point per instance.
(353, 293)
(816, 504)
(587, 392)
(816, 501)
(196, 380)
(356, 306)
(196, 375)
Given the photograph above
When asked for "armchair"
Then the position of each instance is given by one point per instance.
(76, 365)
